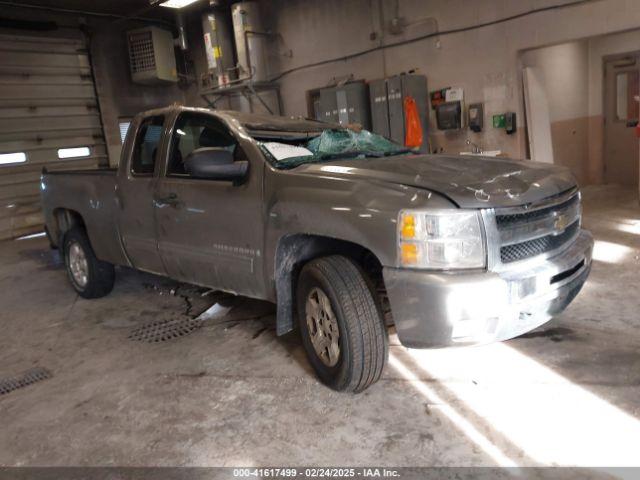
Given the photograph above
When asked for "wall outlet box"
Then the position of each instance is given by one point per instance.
(499, 121)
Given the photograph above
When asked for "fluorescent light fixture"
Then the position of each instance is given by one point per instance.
(74, 152)
(9, 158)
(177, 3)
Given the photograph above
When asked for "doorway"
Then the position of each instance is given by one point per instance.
(621, 90)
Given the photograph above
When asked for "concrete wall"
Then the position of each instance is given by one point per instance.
(483, 61)
(119, 96)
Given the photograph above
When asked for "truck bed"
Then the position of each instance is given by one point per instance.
(92, 195)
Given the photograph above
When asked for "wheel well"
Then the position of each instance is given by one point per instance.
(294, 251)
(64, 220)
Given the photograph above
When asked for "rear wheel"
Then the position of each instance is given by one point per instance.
(342, 328)
(91, 278)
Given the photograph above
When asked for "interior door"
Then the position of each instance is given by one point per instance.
(210, 232)
(621, 116)
(137, 223)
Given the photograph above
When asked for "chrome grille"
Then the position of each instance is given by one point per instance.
(531, 248)
(526, 232)
(508, 220)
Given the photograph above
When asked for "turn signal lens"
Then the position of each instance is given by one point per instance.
(409, 252)
(408, 226)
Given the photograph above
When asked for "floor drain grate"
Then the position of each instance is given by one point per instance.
(165, 330)
(33, 375)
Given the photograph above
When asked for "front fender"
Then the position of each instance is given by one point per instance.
(325, 214)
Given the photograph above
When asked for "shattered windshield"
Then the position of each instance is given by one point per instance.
(288, 151)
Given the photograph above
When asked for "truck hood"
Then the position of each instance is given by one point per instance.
(468, 181)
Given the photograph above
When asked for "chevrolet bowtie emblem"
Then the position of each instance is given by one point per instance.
(561, 222)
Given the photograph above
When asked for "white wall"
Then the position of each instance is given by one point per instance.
(565, 72)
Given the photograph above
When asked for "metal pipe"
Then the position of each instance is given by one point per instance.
(182, 31)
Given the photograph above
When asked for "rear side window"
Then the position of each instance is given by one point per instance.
(147, 146)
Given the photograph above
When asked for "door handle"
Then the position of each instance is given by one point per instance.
(170, 199)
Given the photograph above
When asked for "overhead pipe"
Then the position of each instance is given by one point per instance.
(182, 32)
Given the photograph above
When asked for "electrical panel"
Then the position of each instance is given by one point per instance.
(379, 107)
(387, 98)
(152, 57)
(345, 104)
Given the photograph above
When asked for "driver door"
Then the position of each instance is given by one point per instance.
(210, 232)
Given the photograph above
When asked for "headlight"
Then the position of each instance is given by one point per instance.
(441, 239)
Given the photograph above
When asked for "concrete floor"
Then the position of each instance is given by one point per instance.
(232, 393)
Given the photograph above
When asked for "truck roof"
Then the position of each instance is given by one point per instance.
(254, 121)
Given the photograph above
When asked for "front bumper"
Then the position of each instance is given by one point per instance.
(442, 309)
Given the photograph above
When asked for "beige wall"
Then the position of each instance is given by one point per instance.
(564, 73)
(573, 76)
(483, 61)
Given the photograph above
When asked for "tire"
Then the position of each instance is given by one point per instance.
(100, 275)
(363, 345)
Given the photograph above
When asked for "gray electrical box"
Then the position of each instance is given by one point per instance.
(379, 107)
(387, 97)
(345, 104)
(152, 58)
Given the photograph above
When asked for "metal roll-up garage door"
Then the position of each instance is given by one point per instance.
(49, 117)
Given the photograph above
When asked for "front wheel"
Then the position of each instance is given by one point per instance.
(342, 328)
(91, 277)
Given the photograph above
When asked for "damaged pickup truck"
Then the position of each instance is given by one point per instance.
(345, 231)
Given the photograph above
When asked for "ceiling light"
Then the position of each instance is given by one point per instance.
(177, 3)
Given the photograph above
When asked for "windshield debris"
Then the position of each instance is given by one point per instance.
(332, 144)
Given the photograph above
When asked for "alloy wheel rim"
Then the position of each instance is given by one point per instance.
(322, 325)
(78, 265)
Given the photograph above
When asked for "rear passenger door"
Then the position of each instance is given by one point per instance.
(135, 194)
(210, 232)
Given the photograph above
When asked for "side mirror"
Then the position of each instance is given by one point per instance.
(216, 163)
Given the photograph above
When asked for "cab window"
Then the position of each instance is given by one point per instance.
(147, 145)
(192, 132)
